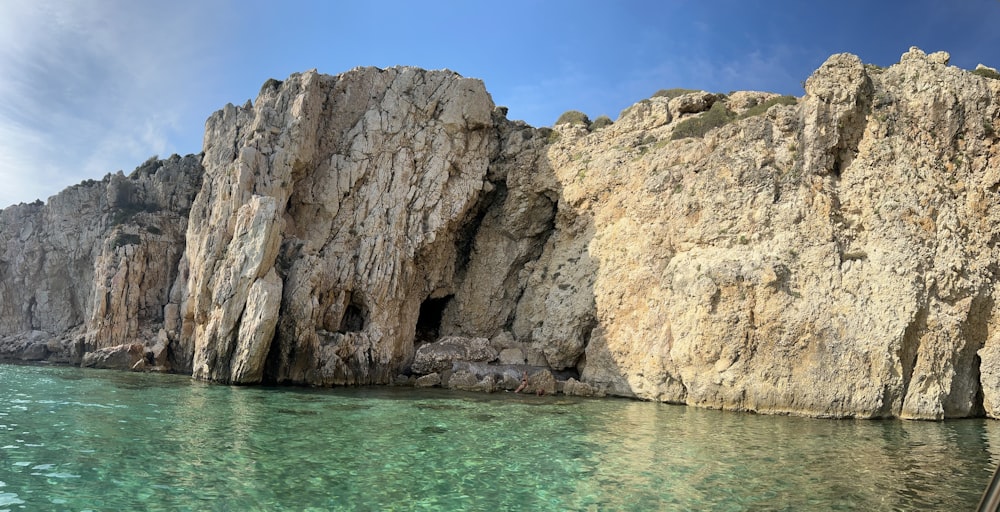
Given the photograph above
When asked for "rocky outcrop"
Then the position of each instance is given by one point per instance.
(831, 255)
(92, 268)
(833, 258)
(344, 196)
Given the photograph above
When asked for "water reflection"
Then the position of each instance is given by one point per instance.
(679, 456)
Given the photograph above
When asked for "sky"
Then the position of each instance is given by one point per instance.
(91, 87)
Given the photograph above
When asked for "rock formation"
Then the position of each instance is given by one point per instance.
(831, 255)
(91, 269)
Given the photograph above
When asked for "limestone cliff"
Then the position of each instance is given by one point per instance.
(92, 268)
(828, 255)
(836, 257)
(331, 209)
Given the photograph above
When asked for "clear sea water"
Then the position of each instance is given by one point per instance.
(77, 440)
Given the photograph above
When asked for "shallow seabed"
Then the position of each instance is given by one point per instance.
(76, 440)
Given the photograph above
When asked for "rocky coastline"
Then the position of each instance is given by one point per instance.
(830, 255)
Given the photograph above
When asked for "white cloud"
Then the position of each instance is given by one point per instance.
(88, 88)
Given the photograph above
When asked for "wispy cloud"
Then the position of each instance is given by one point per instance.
(88, 88)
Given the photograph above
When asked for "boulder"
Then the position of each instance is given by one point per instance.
(574, 387)
(428, 381)
(464, 381)
(35, 352)
(511, 356)
(440, 355)
(118, 357)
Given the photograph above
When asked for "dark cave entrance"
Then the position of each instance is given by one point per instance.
(429, 319)
(354, 318)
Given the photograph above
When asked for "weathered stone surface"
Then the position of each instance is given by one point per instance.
(98, 258)
(463, 380)
(574, 387)
(440, 355)
(541, 382)
(35, 352)
(372, 174)
(118, 357)
(829, 258)
(833, 257)
(511, 356)
(428, 381)
(235, 335)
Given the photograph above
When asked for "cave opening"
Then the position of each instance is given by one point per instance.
(354, 318)
(429, 320)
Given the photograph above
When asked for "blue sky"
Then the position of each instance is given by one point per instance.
(89, 87)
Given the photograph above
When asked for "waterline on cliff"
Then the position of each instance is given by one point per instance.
(84, 439)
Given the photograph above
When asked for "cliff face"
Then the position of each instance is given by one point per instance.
(830, 255)
(836, 257)
(92, 268)
(330, 210)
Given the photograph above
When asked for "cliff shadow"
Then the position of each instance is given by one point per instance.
(524, 275)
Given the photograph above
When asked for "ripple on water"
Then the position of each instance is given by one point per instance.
(9, 498)
(294, 449)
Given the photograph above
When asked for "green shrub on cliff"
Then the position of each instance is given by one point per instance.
(986, 73)
(123, 239)
(760, 108)
(600, 122)
(551, 136)
(699, 125)
(574, 117)
(672, 93)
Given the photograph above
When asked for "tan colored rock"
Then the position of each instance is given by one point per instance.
(464, 380)
(428, 381)
(99, 255)
(119, 357)
(692, 103)
(541, 382)
(371, 173)
(574, 387)
(242, 310)
(823, 259)
(442, 354)
(511, 356)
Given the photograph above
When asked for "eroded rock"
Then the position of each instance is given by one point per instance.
(833, 255)
(119, 357)
(442, 354)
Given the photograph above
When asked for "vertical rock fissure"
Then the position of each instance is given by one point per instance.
(465, 241)
(908, 350)
(976, 331)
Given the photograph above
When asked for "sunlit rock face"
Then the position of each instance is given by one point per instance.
(832, 257)
(829, 255)
(331, 209)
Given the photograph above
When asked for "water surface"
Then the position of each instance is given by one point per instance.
(75, 440)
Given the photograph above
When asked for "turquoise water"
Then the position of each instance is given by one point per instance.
(75, 440)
